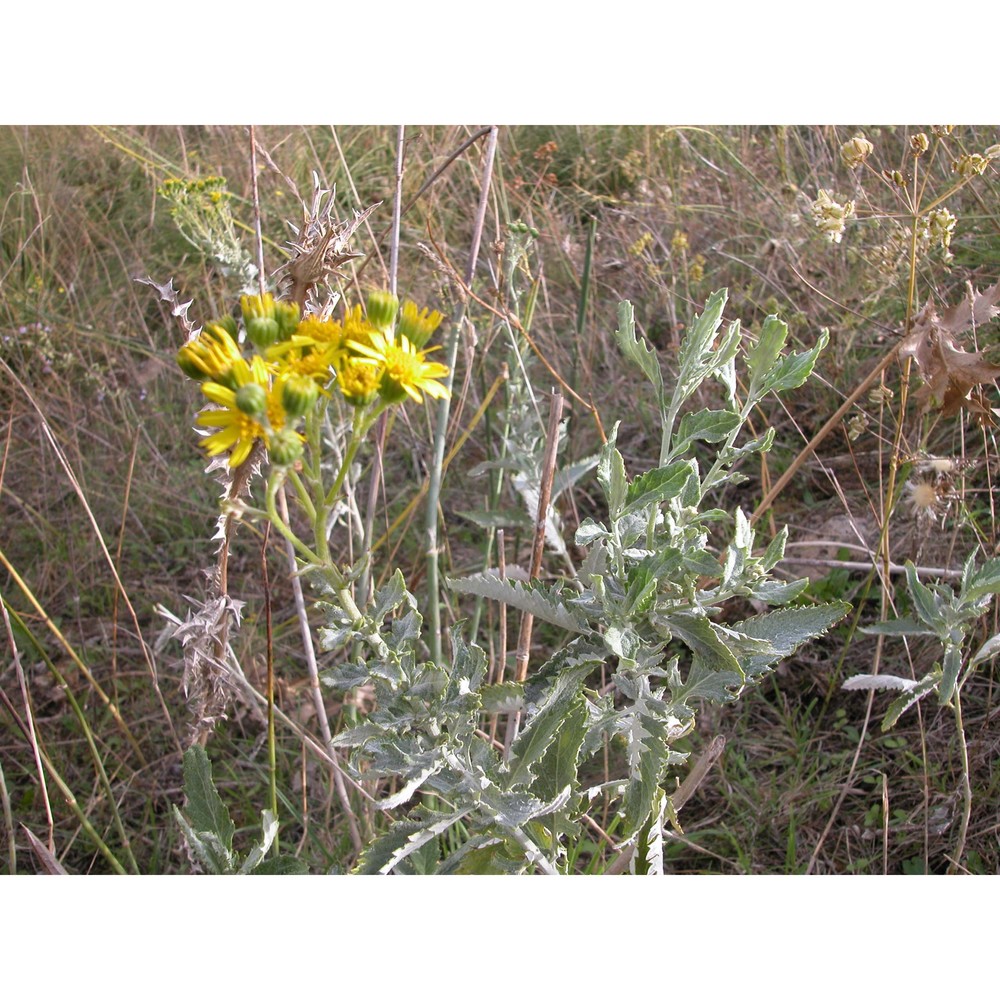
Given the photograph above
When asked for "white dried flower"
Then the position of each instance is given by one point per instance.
(831, 217)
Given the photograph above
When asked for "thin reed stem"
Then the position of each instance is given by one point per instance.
(444, 408)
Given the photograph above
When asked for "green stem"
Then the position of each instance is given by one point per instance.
(303, 494)
(966, 785)
(273, 485)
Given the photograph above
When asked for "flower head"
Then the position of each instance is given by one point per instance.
(405, 370)
(235, 428)
(358, 381)
(210, 355)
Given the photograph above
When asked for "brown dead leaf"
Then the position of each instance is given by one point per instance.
(976, 309)
(952, 375)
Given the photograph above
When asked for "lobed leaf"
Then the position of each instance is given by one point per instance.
(534, 599)
(638, 351)
(205, 808)
(542, 725)
(786, 630)
(705, 425)
(611, 475)
(983, 581)
(910, 698)
(402, 839)
(763, 355)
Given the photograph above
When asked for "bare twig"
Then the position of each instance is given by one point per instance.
(934, 572)
(313, 668)
(537, 550)
(32, 737)
(786, 477)
(541, 521)
(259, 238)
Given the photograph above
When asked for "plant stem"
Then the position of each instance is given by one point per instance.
(963, 829)
(272, 760)
(444, 410)
(273, 486)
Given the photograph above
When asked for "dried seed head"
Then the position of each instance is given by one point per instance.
(855, 151)
(928, 499)
(969, 165)
(830, 217)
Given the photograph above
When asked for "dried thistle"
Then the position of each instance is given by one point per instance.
(321, 246)
(209, 686)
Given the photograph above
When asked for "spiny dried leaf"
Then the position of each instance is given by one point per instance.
(170, 295)
(208, 684)
(951, 374)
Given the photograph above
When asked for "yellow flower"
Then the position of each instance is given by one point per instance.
(405, 370)
(211, 354)
(236, 429)
(323, 332)
(417, 325)
(357, 328)
(301, 355)
(358, 381)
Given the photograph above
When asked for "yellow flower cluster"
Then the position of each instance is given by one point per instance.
(367, 357)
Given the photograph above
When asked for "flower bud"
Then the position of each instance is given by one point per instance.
(417, 326)
(251, 399)
(298, 395)
(287, 316)
(228, 323)
(284, 447)
(211, 354)
(382, 308)
(263, 331)
(919, 143)
(253, 306)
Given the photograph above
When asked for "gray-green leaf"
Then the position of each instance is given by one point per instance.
(205, 808)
